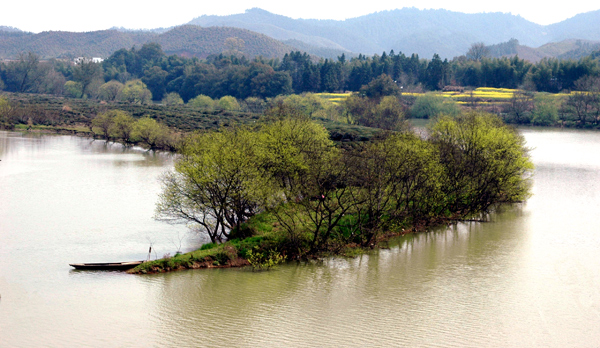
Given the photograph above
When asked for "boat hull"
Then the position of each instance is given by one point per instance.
(107, 266)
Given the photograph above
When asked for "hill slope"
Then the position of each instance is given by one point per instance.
(191, 40)
(187, 40)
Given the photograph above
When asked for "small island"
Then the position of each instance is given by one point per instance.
(285, 191)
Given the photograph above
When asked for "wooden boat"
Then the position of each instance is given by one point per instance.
(115, 266)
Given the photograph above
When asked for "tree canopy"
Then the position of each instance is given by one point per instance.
(324, 196)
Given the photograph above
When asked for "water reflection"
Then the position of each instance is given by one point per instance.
(372, 300)
(14, 144)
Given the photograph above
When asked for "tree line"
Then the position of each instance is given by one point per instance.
(235, 75)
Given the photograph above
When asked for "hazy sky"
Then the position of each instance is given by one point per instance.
(89, 15)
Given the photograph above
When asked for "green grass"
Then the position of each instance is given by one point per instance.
(233, 253)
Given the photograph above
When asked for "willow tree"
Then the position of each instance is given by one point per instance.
(104, 122)
(485, 162)
(310, 181)
(399, 178)
(136, 92)
(123, 126)
(216, 185)
(6, 113)
(150, 132)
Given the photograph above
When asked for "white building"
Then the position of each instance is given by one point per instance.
(80, 60)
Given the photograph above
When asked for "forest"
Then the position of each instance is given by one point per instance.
(549, 93)
(232, 74)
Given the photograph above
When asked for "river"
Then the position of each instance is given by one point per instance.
(528, 278)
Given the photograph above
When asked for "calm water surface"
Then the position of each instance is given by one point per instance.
(530, 278)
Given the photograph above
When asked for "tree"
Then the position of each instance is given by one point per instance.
(331, 76)
(311, 196)
(23, 75)
(172, 99)
(122, 126)
(478, 51)
(234, 45)
(150, 132)
(6, 114)
(110, 91)
(581, 104)
(389, 115)
(545, 112)
(386, 113)
(586, 100)
(228, 103)
(73, 89)
(104, 122)
(431, 106)
(307, 103)
(53, 82)
(216, 185)
(136, 92)
(90, 76)
(202, 102)
(520, 106)
(380, 87)
(358, 109)
(255, 105)
(398, 180)
(436, 76)
(485, 161)
(155, 78)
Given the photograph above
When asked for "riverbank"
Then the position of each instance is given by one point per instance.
(259, 251)
(75, 116)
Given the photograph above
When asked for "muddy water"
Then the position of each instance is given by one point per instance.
(531, 277)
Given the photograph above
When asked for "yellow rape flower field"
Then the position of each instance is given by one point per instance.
(481, 95)
(335, 98)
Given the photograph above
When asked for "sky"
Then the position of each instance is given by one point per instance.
(68, 15)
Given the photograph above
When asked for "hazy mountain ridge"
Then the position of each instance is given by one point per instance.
(583, 26)
(10, 29)
(63, 44)
(410, 30)
(407, 30)
(186, 40)
(566, 49)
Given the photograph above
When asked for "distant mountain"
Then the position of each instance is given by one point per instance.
(63, 44)
(583, 26)
(9, 29)
(260, 33)
(566, 49)
(410, 30)
(186, 40)
(154, 30)
(191, 40)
